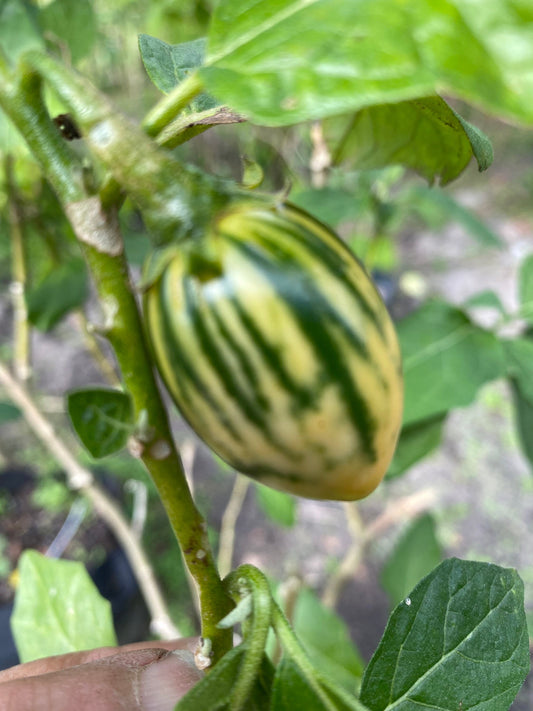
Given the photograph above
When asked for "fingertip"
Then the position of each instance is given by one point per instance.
(166, 680)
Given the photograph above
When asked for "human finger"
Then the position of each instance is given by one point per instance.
(141, 680)
(64, 661)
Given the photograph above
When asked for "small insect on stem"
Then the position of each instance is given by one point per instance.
(67, 127)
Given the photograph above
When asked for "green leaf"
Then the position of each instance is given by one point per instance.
(480, 143)
(58, 609)
(459, 641)
(8, 412)
(519, 352)
(71, 23)
(416, 442)
(425, 135)
(293, 690)
(446, 359)
(326, 640)
(487, 299)
(525, 287)
(523, 408)
(213, 692)
(331, 205)
(287, 61)
(278, 506)
(65, 288)
(19, 28)
(102, 418)
(240, 613)
(168, 65)
(414, 556)
(444, 206)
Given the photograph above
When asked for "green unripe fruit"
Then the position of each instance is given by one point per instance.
(279, 352)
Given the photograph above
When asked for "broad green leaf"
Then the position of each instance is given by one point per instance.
(425, 135)
(332, 206)
(8, 412)
(525, 287)
(293, 690)
(102, 418)
(58, 609)
(487, 299)
(523, 408)
(414, 556)
(213, 692)
(446, 359)
(416, 442)
(278, 506)
(519, 352)
(63, 289)
(168, 65)
(459, 641)
(19, 28)
(286, 61)
(71, 23)
(326, 640)
(480, 144)
(446, 208)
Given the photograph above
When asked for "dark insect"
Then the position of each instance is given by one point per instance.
(68, 128)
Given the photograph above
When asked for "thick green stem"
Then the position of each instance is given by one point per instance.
(170, 106)
(21, 326)
(177, 201)
(99, 236)
(248, 580)
(124, 330)
(21, 99)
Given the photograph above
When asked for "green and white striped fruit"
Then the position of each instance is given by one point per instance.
(279, 352)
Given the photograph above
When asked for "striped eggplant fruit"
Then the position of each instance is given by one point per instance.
(279, 352)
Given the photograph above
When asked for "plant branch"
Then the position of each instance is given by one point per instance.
(21, 99)
(249, 582)
(229, 521)
(403, 509)
(187, 126)
(170, 106)
(21, 326)
(124, 330)
(289, 591)
(320, 160)
(179, 131)
(81, 479)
